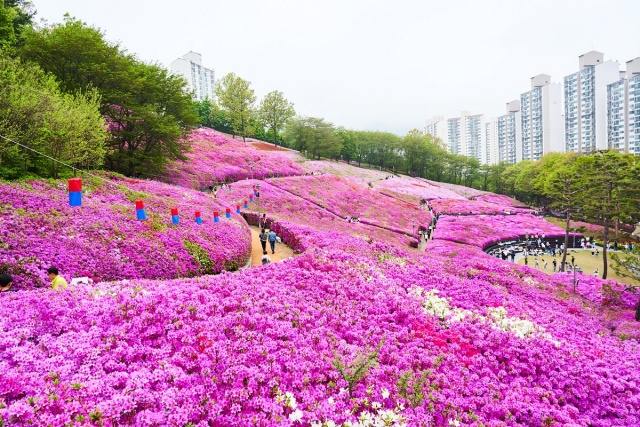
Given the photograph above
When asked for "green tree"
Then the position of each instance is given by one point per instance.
(148, 109)
(611, 183)
(564, 188)
(77, 137)
(414, 149)
(274, 111)
(314, 136)
(237, 98)
(34, 112)
(495, 181)
(15, 16)
(212, 116)
(7, 33)
(350, 144)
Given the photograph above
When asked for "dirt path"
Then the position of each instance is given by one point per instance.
(282, 251)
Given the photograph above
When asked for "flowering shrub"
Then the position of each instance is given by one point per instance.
(215, 157)
(575, 225)
(284, 345)
(499, 199)
(460, 190)
(283, 206)
(344, 198)
(473, 207)
(103, 240)
(358, 175)
(358, 330)
(418, 188)
(483, 231)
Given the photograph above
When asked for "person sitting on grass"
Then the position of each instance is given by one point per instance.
(6, 283)
(57, 281)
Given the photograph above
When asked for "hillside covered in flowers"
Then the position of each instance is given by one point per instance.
(103, 240)
(361, 328)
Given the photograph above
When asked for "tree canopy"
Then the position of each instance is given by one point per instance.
(237, 98)
(148, 109)
(274, 111)
(36, 113)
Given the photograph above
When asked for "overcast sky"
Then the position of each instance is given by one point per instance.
(372, 64)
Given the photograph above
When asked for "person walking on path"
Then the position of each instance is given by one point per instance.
(272, 241)
(555, 265)
(263, 239)
(57, 281)
(265, 258)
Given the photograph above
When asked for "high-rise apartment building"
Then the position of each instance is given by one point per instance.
(201, 80)
(510, 134)
(585, 103)
(623, 111)
(437, 126)
(465, 135)
(491, 142)
(541, 118)
(503, 136)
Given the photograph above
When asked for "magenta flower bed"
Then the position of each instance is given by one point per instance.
(344, 198)
(484, 231)
(358, 330)
(215, 157)
(362, 176)
(283, 206)
(460, 190)
(261, 347)
(589, 227)
(418, 188)
(103, 240)
(473, 207)
(499, 199)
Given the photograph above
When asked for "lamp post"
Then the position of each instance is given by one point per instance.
(258, 195)
(252, 165)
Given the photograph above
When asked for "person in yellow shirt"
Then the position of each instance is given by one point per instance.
(57, 281)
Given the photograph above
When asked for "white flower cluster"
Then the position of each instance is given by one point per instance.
(289, 401)
(379, 418)
(499, 319)
(436, 306)
(497, 316)
(382, 418)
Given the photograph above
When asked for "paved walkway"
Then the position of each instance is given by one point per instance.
(282, 251)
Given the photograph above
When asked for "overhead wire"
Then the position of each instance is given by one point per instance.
(65, 164)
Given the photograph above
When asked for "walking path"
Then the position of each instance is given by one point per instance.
(282, 251)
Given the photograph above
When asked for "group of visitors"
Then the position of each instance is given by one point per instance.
(352, 219)
(424, 203)
(628, 246)
(427, 233)
(265, 237)
(57, 281)
(213, 188)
